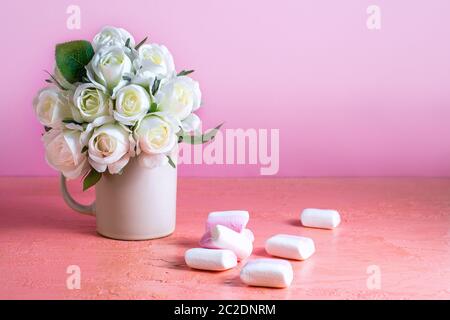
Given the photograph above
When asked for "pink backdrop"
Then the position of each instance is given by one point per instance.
(348, 101)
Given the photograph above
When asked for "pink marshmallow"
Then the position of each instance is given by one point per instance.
(235, 219)
(206, 241)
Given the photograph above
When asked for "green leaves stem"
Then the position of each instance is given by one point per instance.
(172, 164)
(184, 72)
(91, 179)
(199, 139)
(140, 43)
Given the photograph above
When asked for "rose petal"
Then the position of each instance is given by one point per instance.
(117, 166)
(191, 123)
(97, 166)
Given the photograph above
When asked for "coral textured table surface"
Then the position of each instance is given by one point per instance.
(394, 229)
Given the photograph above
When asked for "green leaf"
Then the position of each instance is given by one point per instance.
(85, 148)
(141, 43)
(171, 162)
(72, 57)
(91, 179)
(184, 72)
(199, 139)
(153, 107)
(127, 43)
(155, 86)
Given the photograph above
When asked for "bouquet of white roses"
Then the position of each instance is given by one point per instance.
(112, 100)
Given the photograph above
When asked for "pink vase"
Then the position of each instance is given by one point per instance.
(138, 204)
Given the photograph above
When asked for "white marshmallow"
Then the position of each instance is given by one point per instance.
(290, 247)
(320, 218)
(210, 259)
(206, 239)
(226, 238)
(267, 273)
(249, 234)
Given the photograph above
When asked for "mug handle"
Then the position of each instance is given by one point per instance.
(72, 203)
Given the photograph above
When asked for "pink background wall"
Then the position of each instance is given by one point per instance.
(348, 101)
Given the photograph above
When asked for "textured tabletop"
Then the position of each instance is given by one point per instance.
(396, 230)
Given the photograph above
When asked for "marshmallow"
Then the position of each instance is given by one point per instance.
(290, 247)
(226, 238)
(267, 273)
(209, 259)
(234, 219)
(206, 239)
(319, 218)
(249, 234)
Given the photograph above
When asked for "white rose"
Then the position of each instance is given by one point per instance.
(156, 133)
(63, 152)
(87, 132)
(191, 123)
(51, 107)
(156, 60)
(107, 68)
(180, 97)
(91, 102)
(110, 146)
(132, 103)
(157, 160)
(110, 36)
(144, 78)
(156, 137)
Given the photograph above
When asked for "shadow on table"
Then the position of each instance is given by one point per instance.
(260, 253)
(294, 222)
(186, 243)
(235, 282)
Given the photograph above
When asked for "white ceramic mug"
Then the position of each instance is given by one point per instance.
(138, 204)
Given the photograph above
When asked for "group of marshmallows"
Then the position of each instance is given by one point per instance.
(227, 241)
